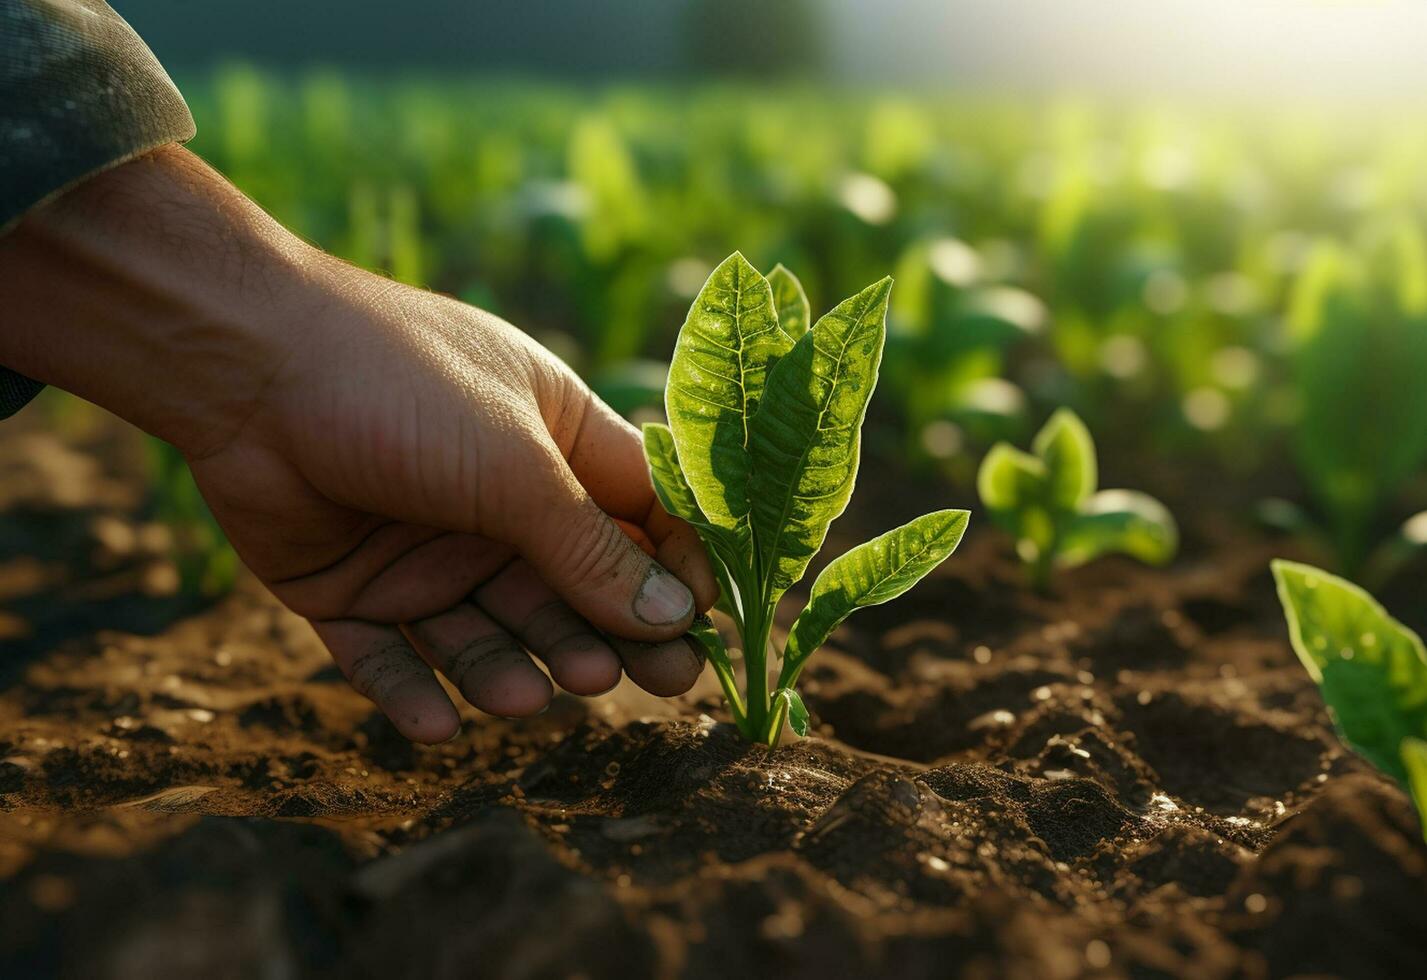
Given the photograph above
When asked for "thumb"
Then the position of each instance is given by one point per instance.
(600, 572)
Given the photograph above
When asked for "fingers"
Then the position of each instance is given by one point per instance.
(399, 573)
(594, 566)
(429, 579)
(606, 454)
(578, 658)
(382, 666)
(663, 669)
(683, 553)
(636, 534)
(475, 649)
(485, 662)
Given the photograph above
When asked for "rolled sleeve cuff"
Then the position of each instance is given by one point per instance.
(79, 93)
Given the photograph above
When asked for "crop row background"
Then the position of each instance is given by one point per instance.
(1155, 269)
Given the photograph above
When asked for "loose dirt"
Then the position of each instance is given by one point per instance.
(1130, 777)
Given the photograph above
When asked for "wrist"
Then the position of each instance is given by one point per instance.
(159, 292)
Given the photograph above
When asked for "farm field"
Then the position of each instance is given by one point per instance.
(1124, 772)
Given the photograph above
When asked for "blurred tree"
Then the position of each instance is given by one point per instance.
(754, 37)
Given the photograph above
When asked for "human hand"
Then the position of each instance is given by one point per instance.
(419, 479)
(417, 462)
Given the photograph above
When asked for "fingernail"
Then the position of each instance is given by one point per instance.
(662, 598)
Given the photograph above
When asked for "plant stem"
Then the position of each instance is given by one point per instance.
(1040, 570)
(730, 692)
(755, 662)
(773, 730)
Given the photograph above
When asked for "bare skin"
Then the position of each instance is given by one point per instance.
(422, 481)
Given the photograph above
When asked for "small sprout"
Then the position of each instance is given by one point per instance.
(760, 455)
(1376, 691)
(1047, 500)
(1357, 327)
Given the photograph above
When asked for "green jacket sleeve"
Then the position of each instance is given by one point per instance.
(79, 92)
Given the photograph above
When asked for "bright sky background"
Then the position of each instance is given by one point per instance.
(1349, 50)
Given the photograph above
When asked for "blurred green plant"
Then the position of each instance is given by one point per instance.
(1371, 669)
(206, 562)
(1358, 328)
(1047, 500)
(1137, 263)
(950, 331)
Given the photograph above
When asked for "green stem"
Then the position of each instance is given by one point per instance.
(729, 683)
(755, 661)
(793, 664)
(1039, 571)
(728, 602)
(1351, 535)
(773, 731)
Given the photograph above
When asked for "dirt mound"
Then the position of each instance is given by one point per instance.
(1132, 777)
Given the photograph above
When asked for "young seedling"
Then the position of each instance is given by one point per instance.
(1371, 669)
(760, 455)
(1357, 324)
(1047, 500)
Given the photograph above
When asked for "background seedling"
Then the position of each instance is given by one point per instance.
(1358, 324)
(1371, 669)
(950, 330)
(760, 456)
(1047, 499)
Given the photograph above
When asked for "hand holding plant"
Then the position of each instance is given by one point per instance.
(423, 482)
(760, 456)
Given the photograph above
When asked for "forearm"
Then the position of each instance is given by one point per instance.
(158, 291)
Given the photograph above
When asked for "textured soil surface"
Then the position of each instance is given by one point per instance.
(1132, 777)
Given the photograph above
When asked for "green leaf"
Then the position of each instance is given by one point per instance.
(1010, 479)
(805, 439)
(721, 362)
(669, 484)
(1120, 521)
(794, 313)
(674, 494)
(1414, 760)
(792, 703)
(1012, 485)
(706, 636)
(1067, 450)
(1372, 669)
(871, 573)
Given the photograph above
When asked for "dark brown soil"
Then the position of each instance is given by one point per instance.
(1133, 777)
